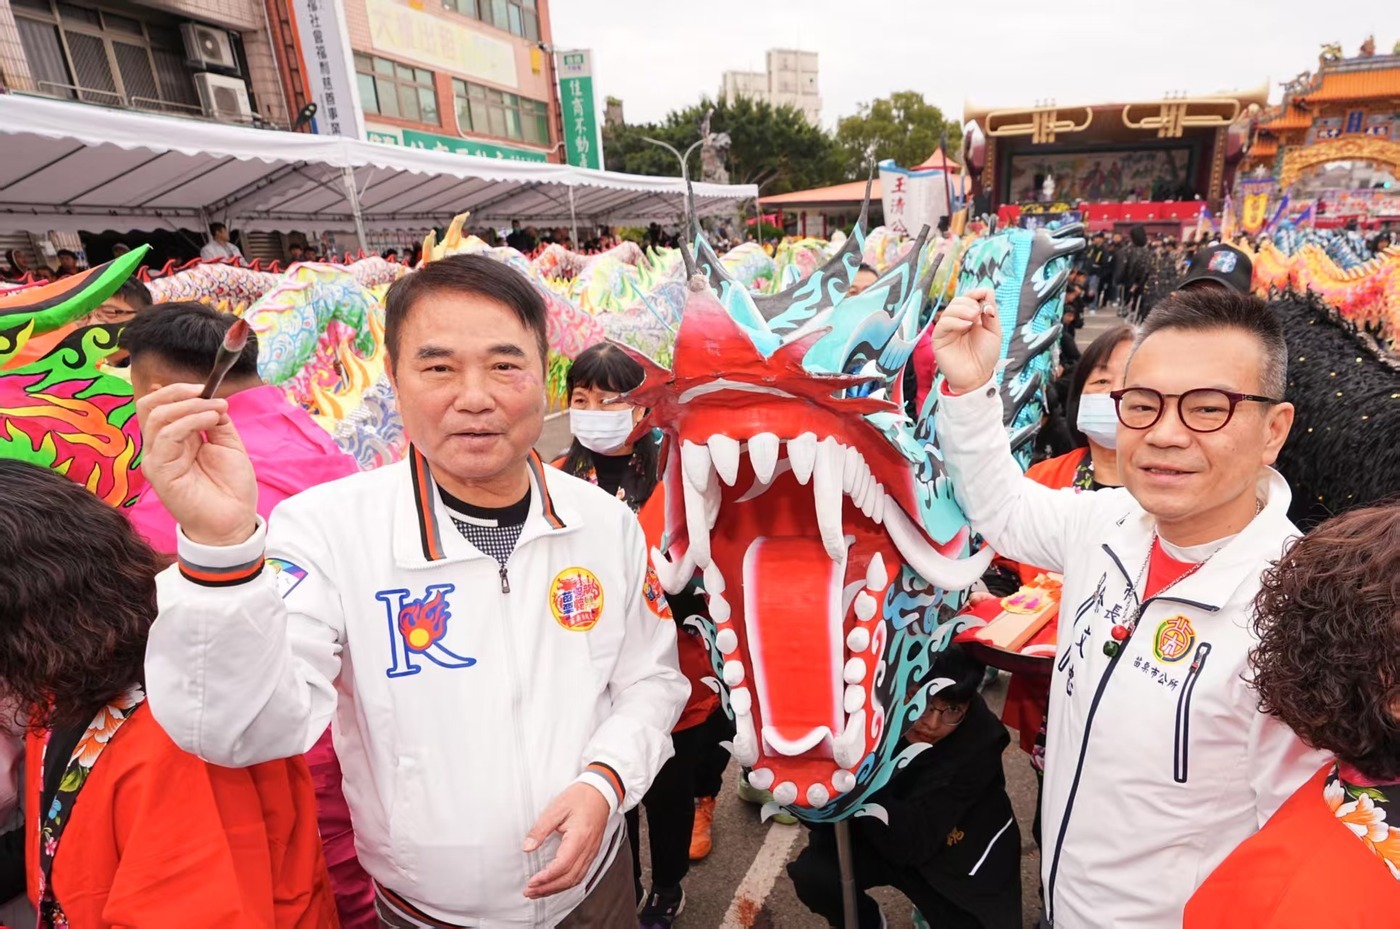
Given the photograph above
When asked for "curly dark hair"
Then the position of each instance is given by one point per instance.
(77, 598)
(1328, 620)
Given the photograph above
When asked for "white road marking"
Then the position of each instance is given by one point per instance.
(753, 890)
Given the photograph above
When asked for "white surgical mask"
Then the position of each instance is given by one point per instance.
(1098, 419)
(602, 431)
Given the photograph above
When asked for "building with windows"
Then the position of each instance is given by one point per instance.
(207, 59)
(212, 60)
(790, 80)
(468, 76)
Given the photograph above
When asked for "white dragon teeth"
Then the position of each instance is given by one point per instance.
(761, 778)
(802, 452)
(674, 576)
(854, 698)
(763, 455)
(875, 576)
(854, 672)
(818, 796)
(844, 781)
(858, 640)
(865, 606)
(726, 641)
(848, 748)
(826, 491)
(714, 580)
(733, 673)
(741, 701)
(724, 452)
(850, 470)
(785, 793)
(745, 745)
(695, 461)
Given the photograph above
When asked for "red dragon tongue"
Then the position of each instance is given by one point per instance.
(795, 640)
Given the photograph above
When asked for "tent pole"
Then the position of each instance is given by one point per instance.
(573, 219)
(347, 175)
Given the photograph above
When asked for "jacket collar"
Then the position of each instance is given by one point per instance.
(1238, 562)
(423, 529)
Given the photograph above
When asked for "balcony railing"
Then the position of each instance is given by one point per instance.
(150, 104)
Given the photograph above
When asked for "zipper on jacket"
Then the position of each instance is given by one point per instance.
(1089, 725)
(528, 801)
(1183, 714)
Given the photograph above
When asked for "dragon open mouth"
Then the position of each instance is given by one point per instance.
(798, 615)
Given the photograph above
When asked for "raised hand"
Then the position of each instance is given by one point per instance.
(197, 465)
(967, 340)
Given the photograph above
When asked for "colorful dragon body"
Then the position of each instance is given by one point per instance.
(820, 517)
(1345, 389)
(64, 411)
(1366, 294)
(1028, 273)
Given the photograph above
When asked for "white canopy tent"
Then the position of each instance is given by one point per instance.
(68, 167)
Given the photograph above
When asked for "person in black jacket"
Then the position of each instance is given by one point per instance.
(948, 840)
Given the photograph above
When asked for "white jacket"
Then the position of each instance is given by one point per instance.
(1158, 762)
(460, 709)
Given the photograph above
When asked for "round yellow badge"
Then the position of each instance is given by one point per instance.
(576, 599)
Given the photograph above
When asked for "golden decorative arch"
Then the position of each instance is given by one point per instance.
(1347, 148)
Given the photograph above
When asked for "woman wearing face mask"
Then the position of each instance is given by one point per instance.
(602, 423)
(1090, 466)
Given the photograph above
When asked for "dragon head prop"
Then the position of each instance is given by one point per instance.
(818, 515)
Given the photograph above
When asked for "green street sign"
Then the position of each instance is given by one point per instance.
(582, 143)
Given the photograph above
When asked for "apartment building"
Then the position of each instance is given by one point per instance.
(789, 79)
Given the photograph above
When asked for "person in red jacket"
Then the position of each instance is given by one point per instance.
(123, 827)
(602, 423)
(1327, 665)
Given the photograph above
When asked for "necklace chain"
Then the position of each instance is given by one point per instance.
(1122, 632)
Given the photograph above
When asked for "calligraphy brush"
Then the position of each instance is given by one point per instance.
(234, 341)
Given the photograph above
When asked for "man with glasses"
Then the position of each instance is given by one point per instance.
(1158, 762)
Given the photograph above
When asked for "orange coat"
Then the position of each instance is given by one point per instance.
(160, 839)
(1302, 870)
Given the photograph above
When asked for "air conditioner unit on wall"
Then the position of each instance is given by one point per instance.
(209, 47)
(223, 97)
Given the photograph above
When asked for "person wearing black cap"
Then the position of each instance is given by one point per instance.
(1219, 266)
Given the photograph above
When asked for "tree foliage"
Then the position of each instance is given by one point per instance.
(902, 126)
(773, 147)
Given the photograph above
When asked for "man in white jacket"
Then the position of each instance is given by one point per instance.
(1158, 761)
(486, 632)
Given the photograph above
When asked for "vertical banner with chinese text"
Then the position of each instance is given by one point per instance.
(325, 51)
(912, 198)
(582, 140)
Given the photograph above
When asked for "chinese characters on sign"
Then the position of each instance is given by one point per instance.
(913, 199)
(428, 141)
(581, 139)
(332, 84)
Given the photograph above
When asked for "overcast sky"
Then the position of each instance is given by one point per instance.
(660, 55)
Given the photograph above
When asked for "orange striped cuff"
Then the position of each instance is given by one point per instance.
(221, 577)
(613, 779)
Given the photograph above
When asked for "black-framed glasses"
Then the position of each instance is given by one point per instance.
(1203, 409)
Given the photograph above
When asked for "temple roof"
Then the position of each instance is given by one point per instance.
(1369, 84)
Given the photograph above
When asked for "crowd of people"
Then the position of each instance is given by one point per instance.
(1218, 743)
